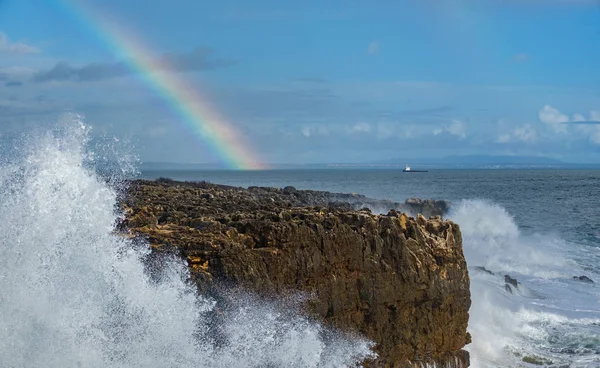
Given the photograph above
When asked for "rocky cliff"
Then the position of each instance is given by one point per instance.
(400, 281)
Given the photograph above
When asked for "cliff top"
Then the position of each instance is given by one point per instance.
(215, 199)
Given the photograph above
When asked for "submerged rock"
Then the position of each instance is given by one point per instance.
(584, 279)
(536, 360)
(400, 281)
(483, 269)
(510, 281)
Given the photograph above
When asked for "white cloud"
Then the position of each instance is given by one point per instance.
(551, 115)
(373, 47)
(360, 128)
(15, 47)
(591, 131)
(553, 118)
(456, 128)
(595, 115)
(508, 134)
(526, 133)
(560, 122)
(309, 131)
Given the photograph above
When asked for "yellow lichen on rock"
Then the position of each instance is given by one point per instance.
(401, 282)
(403, 219)
(197, 262)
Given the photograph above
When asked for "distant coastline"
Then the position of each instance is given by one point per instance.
(450, 163)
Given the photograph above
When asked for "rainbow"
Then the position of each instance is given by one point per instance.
(222, 137)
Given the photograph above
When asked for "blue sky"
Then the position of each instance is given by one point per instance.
(314, 81)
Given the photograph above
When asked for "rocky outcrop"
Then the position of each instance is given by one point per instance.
(483, 269)
(508, 281)
(401, 281)
(583, 279)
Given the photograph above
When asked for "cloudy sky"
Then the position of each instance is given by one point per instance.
(317, 81)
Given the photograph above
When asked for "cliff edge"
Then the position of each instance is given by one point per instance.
(401, 281)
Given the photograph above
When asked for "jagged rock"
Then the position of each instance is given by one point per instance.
(483, 269)
(426, 207)
(536, 360)
(509, 280)
(584, 279)
(401, 281)
(289, 190)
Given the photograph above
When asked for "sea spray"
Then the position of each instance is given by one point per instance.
(543, 320)
(75, 294)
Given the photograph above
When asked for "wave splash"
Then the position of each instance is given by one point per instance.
(549, 319)
(74, 294)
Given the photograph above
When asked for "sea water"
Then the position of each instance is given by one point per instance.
(541, 227)
(75, 294)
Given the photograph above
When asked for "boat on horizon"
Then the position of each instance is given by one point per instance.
(408, 169)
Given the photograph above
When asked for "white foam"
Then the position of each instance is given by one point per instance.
(548, 317)
(74, 294)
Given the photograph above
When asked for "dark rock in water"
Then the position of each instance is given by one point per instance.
(511, 281)
(584, 279)
(569, 351)
(536, 360)
(483, 269)
(400, 281)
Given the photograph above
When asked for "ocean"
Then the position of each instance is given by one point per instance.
(541, 227)
(75, 294)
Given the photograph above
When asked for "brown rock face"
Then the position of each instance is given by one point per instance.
(400, 281)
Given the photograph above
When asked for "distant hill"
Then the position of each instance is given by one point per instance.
(485, 159)
(504, 160)
(478, 161)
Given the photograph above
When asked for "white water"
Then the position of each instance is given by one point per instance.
(73, 294)
(550, 317)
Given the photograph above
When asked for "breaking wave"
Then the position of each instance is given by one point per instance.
(549, 319)
(75, 294)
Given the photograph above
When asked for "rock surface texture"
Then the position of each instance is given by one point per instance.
(400, 281)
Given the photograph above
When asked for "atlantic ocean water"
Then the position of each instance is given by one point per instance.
(541, 227)
(73, 293)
